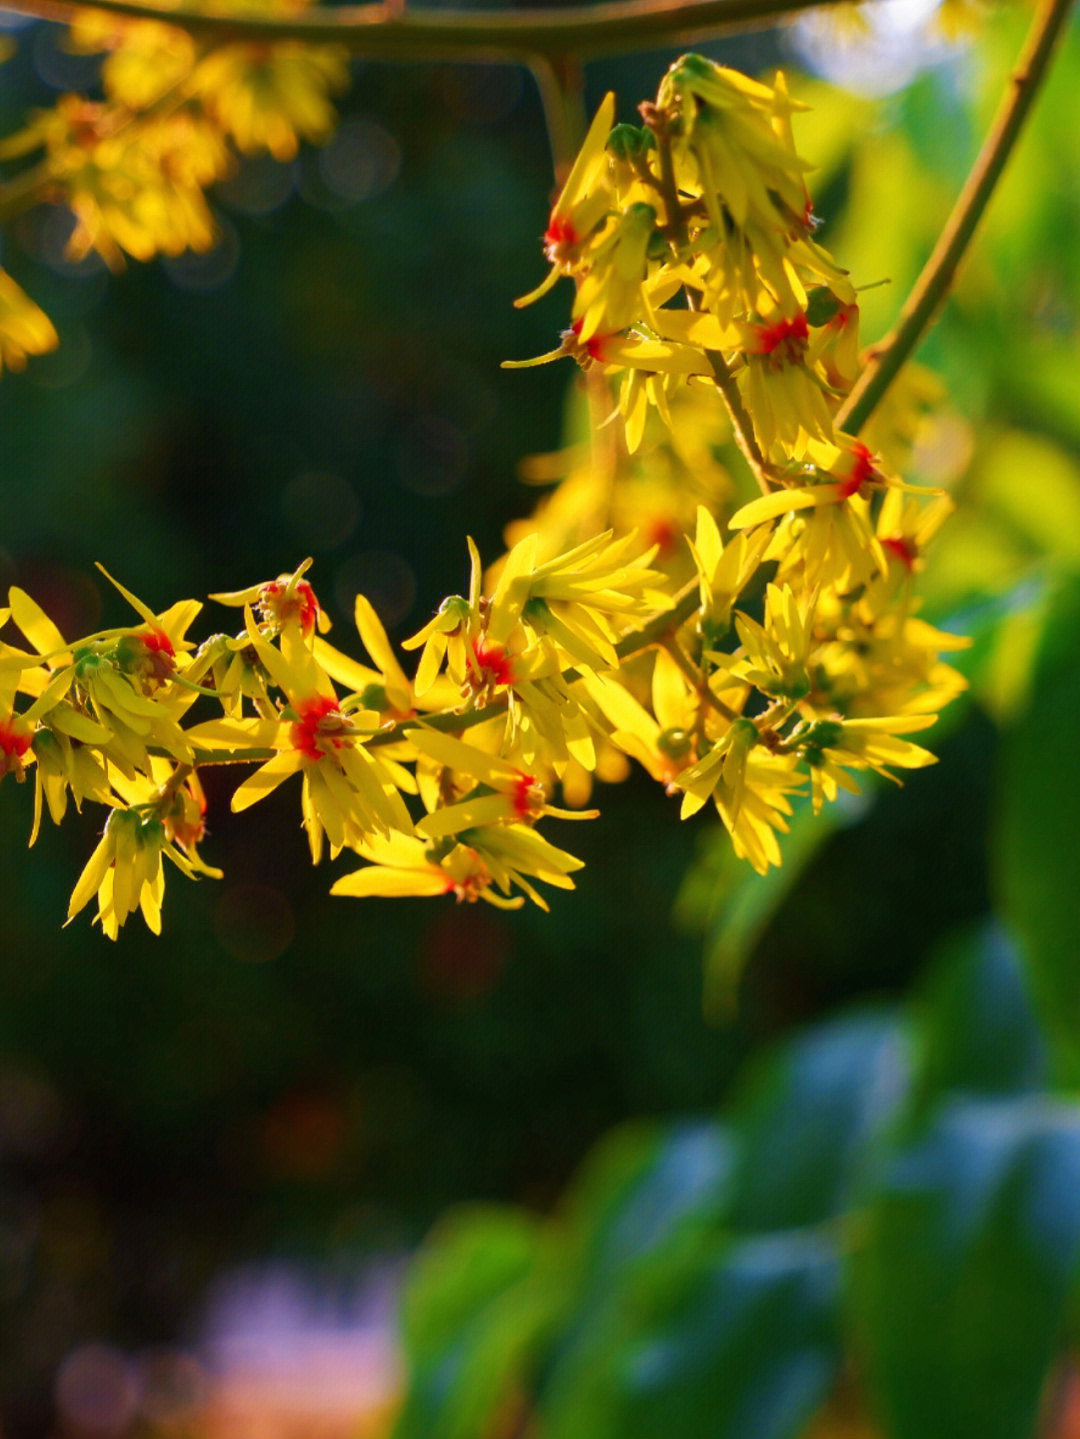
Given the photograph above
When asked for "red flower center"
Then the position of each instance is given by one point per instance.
(594, 345)
(560, 238)
(862, 469)
(279, 606)
(903, 549)
(663, 532)
(493, 665)
(785, 341)
(319, 727)
(527, 797)
(15, 737)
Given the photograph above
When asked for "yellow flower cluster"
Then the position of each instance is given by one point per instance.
(741, 653)
(134, 167)
(702, 295)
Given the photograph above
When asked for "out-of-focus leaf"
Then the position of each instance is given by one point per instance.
(969, 1240)
(806, 1116)
(731, 1339)
(734, 906)
(1035, 844)
(640, 1187)
(981, 1034)
(474, 1309)
(1045, 517)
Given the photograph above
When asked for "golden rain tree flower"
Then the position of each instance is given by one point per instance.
(583, 204)
(146, 59)
(287, 600)
(827, 530)
(723, 571)
(504, 794)
(611, 295)
(125, 870)
(581, 599)
(831, 747)
(348, 792)
(25, 329)
(774, 654)
(66, 763)
(270, 96)
(750, 789)
(481, 864)
(135, 185)
(662, 739)
(127, 680)
(735, 133)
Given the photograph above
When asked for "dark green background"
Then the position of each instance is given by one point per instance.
(283, 1074)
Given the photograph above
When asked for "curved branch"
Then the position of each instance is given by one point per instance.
(388, 32)
(939, 271)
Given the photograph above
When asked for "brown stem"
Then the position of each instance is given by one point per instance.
(938, 273)
(741, 424)
(697, 679)
(391, 32)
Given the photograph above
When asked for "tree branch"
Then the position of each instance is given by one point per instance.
(939, 271)
(386, 32)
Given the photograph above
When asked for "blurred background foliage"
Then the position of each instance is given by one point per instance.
(832, 1189)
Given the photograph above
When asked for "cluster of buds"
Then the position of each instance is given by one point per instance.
(782, 657)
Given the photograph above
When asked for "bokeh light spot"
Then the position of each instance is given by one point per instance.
(321, 510)
(387, 580)
(254, 922)
(96, 1394)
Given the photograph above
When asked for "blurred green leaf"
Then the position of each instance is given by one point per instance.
(473, 1311)
(724, 896)
(1035, 846)
(723, 1339)
(980, 1030)
(970, 1238)
(806, 1116)
(640, 1187)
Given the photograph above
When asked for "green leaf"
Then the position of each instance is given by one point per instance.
(806, 1116)
(476, 1305)
(979, 1026)
(722, 895)
(640, 1187)
(723, 1339)
(971, 1237)
(1035, 843)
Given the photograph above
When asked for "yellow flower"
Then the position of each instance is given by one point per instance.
(774, 654)
(832, 746)
(66, 761)
(134, 186)
(477, 864)
(611, 295)
(348, 792)
(125, 869)
(272, 96)
(127, 680)
(723, 572)
(582, 205)
(734, 137)
(288, 600)
(24, 328)
(146, 60)
(505, 794)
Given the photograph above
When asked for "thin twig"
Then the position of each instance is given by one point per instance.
(741, 424)
(697, 679)
(384, 31)
(938, 273)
